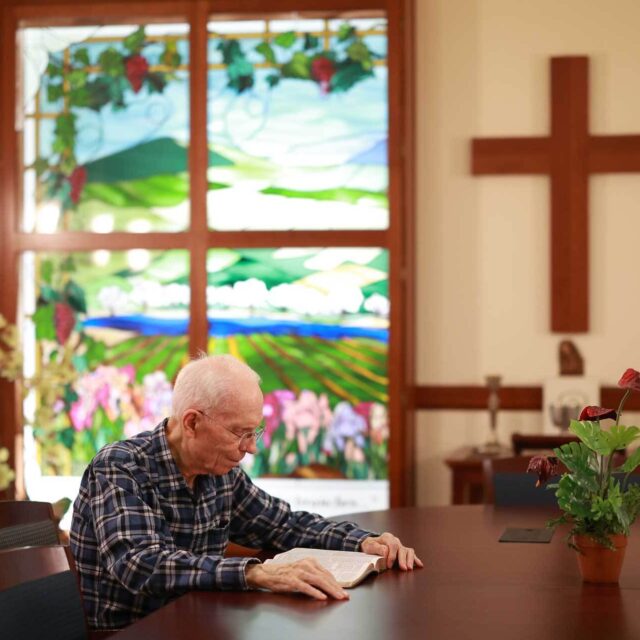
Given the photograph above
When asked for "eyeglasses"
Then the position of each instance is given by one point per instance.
(245, 438)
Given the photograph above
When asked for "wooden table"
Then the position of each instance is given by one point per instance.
(472, 587)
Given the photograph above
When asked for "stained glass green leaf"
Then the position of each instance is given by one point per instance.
(112, 62)
(298, 67)
(81, 56)
(266, 50)
(43, 320)
(75, 296)
(285, 40)
(346, 32)
(134, 41)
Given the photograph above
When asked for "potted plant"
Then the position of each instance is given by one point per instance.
(595, 495)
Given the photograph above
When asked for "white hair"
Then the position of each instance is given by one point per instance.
(210, 384)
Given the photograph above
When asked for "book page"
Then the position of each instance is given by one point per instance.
(347, 567)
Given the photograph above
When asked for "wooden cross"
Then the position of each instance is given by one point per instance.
(569, 155)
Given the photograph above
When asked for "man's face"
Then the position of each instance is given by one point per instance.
(217, 446)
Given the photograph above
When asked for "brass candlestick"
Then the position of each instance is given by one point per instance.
(492, 447)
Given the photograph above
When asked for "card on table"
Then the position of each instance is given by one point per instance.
(526, 535)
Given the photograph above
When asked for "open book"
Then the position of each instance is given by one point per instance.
(349, 568)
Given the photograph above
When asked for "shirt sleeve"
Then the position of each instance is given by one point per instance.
(262, 521)
(137, 548)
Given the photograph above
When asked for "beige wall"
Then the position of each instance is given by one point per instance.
(483, 242)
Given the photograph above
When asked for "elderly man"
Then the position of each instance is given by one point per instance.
(155, 513)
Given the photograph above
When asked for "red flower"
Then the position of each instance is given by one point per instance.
(322, 70)
(544, 466)
(597, 413)
(630, 380)
(64, 320)
(137, 68)
(77, 180)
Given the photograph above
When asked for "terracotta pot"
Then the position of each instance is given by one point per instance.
(597, 563)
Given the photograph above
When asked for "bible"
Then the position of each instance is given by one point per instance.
(349, 568)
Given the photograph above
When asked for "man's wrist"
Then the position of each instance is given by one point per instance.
(252, 575)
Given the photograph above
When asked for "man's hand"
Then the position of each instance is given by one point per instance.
(304, 576)
(392, 549)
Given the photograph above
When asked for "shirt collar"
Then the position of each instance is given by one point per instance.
(167, 467)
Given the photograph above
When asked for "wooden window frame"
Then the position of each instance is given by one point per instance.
(399, 238)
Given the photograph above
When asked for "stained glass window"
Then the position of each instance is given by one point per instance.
(118, 322)
(106, 128)
(297, 130)
(314, 324)
(298, 124)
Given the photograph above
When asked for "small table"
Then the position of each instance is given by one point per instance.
(467, 475)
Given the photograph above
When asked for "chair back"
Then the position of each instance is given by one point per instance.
(14, 512)
(539, 442)
(39, 595)
(31, 563)
(32, 534)
(507, 483)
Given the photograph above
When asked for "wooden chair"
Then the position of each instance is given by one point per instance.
(31, 563)
(507, 483)
(539, 442)
(30, 534)
(39, 595)
(13, 512)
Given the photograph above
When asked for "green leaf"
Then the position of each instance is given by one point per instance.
(240, 74)
(49, 294)
(68, 164)
(348, 75)
(77, 78)
(311, 41)
(112, 62)
(98, 90)
(266, 51)
(631, 462)
(68, 265)
(170, 55)
(117, 88)
(44, 322)
(75, 296)
(135, 41)
(79, 363)
(81, 56)
(298, 67)
(41, 165)
(346, 32)
(285, 40)
(66, 127)
(273, 80)
(573, 498)
(59, 145)
(579, 459)
(592, 435)
(54, 92)
(230, 50)
(46, 271)
(80, 97)
(620, 437)
(96, 351)
(155, 82)
(54, 69)
(359, 52)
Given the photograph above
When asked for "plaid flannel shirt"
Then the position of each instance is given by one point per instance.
(141, 537)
